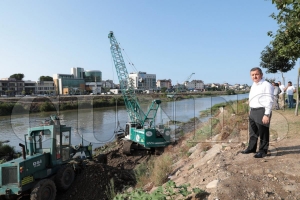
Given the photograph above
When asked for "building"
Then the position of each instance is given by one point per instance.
(164, 83)
(92, 76)
(65, 84)
(45, 87)
(195, 85)
(30, 87)
(78, 82)
(12, 87)
(77, 72)
(115, 91)
(93, 81)
(38, 87)
(108, 84)
(143, 81)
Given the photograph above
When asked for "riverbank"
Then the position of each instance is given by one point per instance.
(215, 165)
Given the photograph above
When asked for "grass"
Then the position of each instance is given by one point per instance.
(110, 190)
(169, 191)
(154, 170)
(142, 172)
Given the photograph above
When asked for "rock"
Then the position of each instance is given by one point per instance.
(212, 184)
(195, 151)
(130, 189)
(177, 173)
(202, 154)
(227, 148)
(270, 175)
(148, 186)
(216, 137)
(210, 154)
(192, 149)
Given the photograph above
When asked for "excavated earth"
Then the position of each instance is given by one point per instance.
(94, 180)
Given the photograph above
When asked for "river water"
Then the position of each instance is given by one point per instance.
(97, 125)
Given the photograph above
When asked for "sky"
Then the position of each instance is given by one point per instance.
(219, 41)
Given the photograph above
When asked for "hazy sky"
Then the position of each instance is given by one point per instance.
(219, 41)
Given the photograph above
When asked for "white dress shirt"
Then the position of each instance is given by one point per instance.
(290, 90)
(261, 95)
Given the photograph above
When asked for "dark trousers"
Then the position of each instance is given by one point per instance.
(291, 101)
(258, 129)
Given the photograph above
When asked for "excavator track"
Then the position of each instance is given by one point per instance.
(159, 150)
(127, 147)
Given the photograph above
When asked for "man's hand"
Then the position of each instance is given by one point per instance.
(265, 119)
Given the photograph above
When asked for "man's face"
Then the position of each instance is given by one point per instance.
(256, 76)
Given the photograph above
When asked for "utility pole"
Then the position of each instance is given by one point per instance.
(96, 89)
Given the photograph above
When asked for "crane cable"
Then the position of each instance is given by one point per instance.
(127, 58)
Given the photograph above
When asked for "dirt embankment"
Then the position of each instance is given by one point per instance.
(214, 165)
(224, 173)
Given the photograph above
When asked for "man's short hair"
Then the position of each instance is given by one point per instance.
(290, 82)
(256, 69)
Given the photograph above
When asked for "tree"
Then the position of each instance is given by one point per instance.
(286, 40)
(17, 76)
(163, 89)
(270, 80)
(273, 62)
(46, 78)
(297, 102)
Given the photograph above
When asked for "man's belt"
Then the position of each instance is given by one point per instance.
(259, 108)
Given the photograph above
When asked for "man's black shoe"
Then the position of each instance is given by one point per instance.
(247, 151)
(259, 155)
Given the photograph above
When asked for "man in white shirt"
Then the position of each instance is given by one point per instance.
(260, 103)
(281, 96)
(290, 90)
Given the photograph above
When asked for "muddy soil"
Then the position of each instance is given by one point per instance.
(95, 180)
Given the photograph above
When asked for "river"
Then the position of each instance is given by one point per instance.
(97, 125)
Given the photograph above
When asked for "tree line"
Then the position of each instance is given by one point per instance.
(20, 77)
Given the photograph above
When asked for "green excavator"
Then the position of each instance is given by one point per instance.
(142, 132)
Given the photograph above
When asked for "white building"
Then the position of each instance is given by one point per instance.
(143, 81)
(164, 83)
(195, 85)
(115, 91)
(45, 87)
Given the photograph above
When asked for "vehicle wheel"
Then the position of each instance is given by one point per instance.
(44, 190)
(64, 177)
